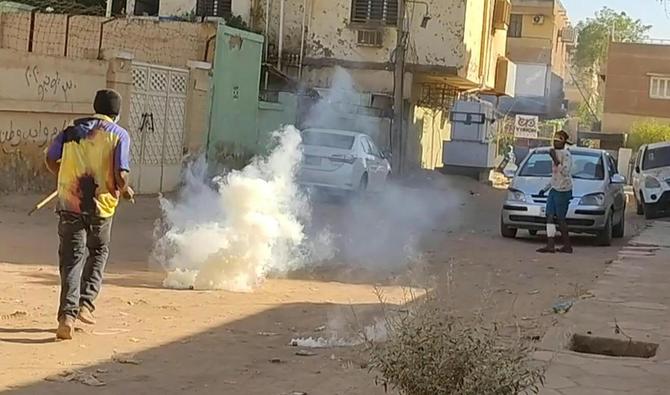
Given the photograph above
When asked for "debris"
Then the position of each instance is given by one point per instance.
(305, 353)
(269, 334)
(125, 359)
(534, 292)
(101, 370)
(298, 393)
(563, 307)
(587, 295)
(14, 315)
(76, 376)
(111, 331)
(320, 328)
(275, 360)
(134, 340)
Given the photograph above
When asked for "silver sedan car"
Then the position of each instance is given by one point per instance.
(598, 206)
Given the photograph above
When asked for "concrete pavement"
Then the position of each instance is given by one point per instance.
(629, 304)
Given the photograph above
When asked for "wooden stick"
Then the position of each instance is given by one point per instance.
(43, 203)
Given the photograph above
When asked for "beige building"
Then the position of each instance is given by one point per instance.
(539, 38)
(637, 86)
(452, 47)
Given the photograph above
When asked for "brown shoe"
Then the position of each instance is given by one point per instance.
(86, 316)
(65, 328)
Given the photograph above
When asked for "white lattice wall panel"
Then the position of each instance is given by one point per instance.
(157, 111)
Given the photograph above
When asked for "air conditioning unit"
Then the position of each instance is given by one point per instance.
(370, 38)
(538, 20)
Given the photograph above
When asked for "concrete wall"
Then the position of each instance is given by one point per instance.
(273, 115)
(432, 128)
(40, 96)
(166, 43)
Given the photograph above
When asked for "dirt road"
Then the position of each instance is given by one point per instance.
(152, 340)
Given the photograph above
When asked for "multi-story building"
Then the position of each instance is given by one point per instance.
(539, 38)
(637, 86)
(451, 47)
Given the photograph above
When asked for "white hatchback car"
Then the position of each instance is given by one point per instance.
(342, 160)
(651, 179)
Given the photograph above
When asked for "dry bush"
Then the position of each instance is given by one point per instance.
(430, 352)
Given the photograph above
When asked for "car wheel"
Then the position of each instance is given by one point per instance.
(638, 204)
(620, 229)
(650, 211)
(604, 237)
(506, 231)
(533, 232)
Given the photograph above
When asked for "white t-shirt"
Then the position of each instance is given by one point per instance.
(561, 174)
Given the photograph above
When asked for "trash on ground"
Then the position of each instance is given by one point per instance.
(563, 307)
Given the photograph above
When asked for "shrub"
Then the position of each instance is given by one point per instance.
(430, 352)
(648, 132)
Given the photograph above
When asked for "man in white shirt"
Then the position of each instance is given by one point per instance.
(560, 194)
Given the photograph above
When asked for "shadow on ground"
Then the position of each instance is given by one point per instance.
(235, 358)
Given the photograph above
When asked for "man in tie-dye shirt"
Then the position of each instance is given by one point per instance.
(91, 160)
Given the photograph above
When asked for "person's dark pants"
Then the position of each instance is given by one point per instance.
(83, 252)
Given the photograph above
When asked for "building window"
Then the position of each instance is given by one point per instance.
(215, 8)
(375, 12)
(660, 88)
(515, 25)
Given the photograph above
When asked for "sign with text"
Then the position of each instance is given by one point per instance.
(526, 126)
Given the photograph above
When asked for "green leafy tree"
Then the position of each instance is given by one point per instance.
(648, 132)
(595, 33)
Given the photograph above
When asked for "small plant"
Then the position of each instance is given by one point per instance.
(430, 352)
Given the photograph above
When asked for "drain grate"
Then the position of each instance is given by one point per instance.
(612, 347)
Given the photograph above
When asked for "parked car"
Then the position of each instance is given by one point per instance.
(651, 180)
(599, 202)
(340, 160)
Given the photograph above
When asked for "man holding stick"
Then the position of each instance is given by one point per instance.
(91, 160)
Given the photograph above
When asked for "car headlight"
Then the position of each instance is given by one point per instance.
(514, 195)
(651, 182)
(594, 199)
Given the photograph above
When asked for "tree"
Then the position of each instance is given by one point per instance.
(648, 132)
(595, 33)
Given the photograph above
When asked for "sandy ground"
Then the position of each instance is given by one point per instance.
(152, 340)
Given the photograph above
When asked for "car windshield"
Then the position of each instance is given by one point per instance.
(656, 158)
(330, 140)
(585, 166)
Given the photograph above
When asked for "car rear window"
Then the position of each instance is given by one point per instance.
(585, 166)
(330, 140)
(656, 158)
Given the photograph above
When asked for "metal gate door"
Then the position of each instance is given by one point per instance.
(157, 108)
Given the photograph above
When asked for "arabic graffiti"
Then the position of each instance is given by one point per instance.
(48, 84)
(38, 134)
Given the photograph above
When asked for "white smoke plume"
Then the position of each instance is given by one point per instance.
(232, 236)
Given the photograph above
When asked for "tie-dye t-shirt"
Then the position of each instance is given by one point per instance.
(90, 152)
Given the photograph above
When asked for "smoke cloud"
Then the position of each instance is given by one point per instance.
(232, 236)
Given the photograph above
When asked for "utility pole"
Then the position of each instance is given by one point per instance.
(397, 138)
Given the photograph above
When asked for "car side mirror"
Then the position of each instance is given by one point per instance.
(618, 179)
(509, 173)
(637, 169)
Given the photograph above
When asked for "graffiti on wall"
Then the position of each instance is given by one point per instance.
(38, 134)
(49, 85)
